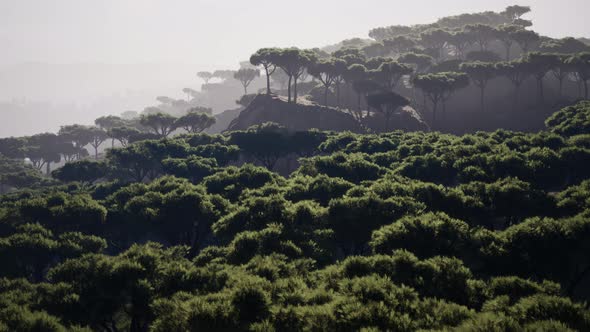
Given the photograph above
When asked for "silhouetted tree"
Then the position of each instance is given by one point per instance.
(436, 40)
(205, 76)
(326, 71)
(504, 35)
(264, 57)
(540, 64)
(515, 12)
(387, 103)
(525, 39)
(246, 76)
(293, 62)
(580, 65)
(480, 74)
(517, 72)
(460, 41)
(161, 124)
(482, 34)
(194, 122)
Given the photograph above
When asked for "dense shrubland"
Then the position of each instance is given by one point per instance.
(268, 229)
(394, 231)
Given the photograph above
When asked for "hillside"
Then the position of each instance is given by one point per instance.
(435, 177)
(296, 117)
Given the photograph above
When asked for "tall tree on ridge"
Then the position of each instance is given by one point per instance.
(264, 57)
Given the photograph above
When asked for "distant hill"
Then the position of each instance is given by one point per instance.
(306, 115)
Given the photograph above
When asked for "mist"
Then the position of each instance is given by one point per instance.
(70, 61)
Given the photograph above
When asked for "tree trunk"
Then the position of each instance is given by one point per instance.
(295, 90)
(245, 89)
(289, 90)
(359, 104)
(267, 81)
(560, 87)
(585, 89)
(48, 168)
(326, 96)
(338, 95)
(96, 152)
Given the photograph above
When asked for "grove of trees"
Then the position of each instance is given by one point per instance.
(150, 224)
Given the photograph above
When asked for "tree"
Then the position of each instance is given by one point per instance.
(389, 73)
(515, 12)
(82, 171)
(42, 150)
(559, 69)
(363, 88)
(374, 50)
(293, 62)
(109, 121)
(504, 35)
(355, 73)
(97, 137)
(480, 74)
(77, 134)
(460, 41)
(122, 134)
(194, 122)
(162, 124)
(436, 40)
(205, 76)
(399, 44)
(189, 93)
(421, 62)
(540, 64)
(326, 71)
(12, 147)
(482, 34)
(517, 72)
(580, 65)
(566, 45)
(246, 76)
(387, 103)
(439, 87)
(267, 143)
(525, 39)
(264, 57)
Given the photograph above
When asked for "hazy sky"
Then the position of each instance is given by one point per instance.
(219, 33)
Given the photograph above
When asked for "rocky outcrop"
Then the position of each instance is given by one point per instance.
(297, 117)
(406, 119)
(306, 115)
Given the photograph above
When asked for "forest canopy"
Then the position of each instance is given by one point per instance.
(151, 222)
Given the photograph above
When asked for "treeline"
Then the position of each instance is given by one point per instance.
(395, 231)
(438, 60)
(71, 142)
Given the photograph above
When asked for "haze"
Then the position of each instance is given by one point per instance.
(74, 60)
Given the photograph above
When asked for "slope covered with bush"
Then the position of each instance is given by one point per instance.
(396, 231)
